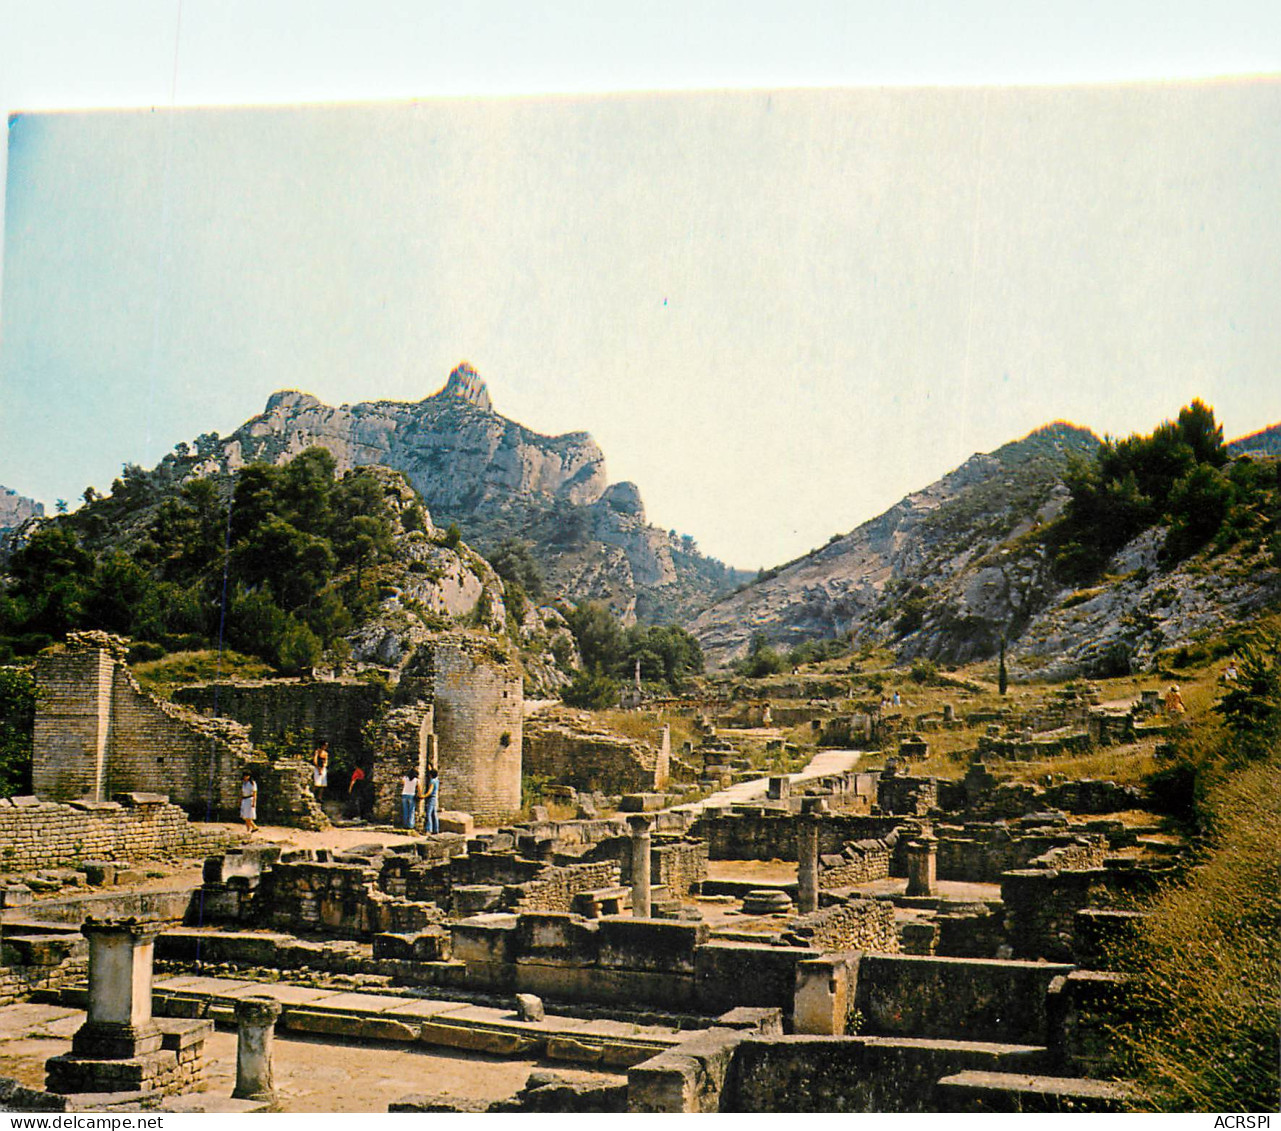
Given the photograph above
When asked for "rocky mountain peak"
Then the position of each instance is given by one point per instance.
(290, 400)
(466, 384)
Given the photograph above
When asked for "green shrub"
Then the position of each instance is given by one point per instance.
(17, 722)
(592, 691)
(924, 672)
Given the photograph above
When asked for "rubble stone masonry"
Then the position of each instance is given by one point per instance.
(46, 834)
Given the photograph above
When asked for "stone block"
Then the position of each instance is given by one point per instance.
(753, 1018)
(825, 992)
(641, 802)
(474, 1039)
(455, 821)
(556, 936)
(484, 939)
(471, 899)
(529, 1007)
(660, 945)
(689, 1078)
(15, 895)
(355, 1026)
(100, 872)
(729, 974)
(976, 1091)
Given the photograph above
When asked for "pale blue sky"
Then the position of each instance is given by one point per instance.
(777, 313)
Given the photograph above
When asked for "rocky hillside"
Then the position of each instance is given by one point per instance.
(497, 479)
(1266, 442)
(949, 570)
(14, 511)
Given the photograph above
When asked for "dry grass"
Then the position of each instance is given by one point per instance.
(1204, 1035)
(1125, 765)
(162, 676)
(647, 726)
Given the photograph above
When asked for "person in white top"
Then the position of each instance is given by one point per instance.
(249, 802)
(320, 769)
(409, 790)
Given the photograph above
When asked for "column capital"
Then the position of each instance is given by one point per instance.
(142, 930)
(258, 1009)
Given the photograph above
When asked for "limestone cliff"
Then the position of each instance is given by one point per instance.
(496, 479)
(948, 570)
(15, 509)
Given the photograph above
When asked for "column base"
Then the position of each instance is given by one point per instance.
(105, 1040)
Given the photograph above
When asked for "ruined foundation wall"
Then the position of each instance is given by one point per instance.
(555, 889)
(748, 836)
(611, 764)
(47, 834)
(23, 973)
(861, 862)
(859, 924)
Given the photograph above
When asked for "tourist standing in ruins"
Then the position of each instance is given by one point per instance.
(356, 793)
(320, 769)
(249, 802)
(432, 796)
(409, 791)
(1174, 701)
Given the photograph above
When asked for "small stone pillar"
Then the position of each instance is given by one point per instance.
(256, 1017)
(640, 865)
(922, 865)
(949, 714)
(779, 788)
(119, 1024)
(825, 991)
(807, 862)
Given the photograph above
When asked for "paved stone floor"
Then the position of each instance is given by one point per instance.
(312, 1075)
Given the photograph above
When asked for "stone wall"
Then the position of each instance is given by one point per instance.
(967, 999)
(909, 796)
(857, 924)
(679, 865)
(334, 710)
(341, 899)
(989, 798)
(555, 887)
(1041, 904)
(849, 1074)
(771, 834)
(97, 733)
(623, 961)
(569, 749)
(859, 862)
(982, 853)
(46, 834)
(32, 963)
(479, 715)
(403, 737)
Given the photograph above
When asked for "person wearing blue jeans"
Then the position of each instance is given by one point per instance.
(432, 795)
(409, 799)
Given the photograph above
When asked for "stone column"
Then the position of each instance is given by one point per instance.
(807, 863)
(922, 865)
(256, 1017)
(640, 865)
(119, 1024)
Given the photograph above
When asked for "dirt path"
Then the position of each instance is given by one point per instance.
(823, 763)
